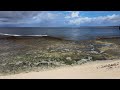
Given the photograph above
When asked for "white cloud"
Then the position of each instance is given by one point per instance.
(51, 15)
(12, 17)
(68, 11)
(54, 18)
(95, 20)
(73, 14)
(45, 15)
(67, 17)
(80, 20)
(26, 17)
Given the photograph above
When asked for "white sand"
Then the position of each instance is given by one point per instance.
(85, 71)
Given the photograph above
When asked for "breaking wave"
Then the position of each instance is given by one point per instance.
(4, 34)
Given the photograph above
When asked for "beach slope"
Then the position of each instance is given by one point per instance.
(108, 69)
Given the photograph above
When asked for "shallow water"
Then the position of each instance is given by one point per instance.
(65, 33)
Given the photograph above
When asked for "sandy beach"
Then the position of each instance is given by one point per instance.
(109, 69)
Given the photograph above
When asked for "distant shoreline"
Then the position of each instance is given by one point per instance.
(68, 27)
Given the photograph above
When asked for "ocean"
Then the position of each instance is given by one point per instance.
(82, 33)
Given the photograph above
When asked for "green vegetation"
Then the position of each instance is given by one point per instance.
(26, 54)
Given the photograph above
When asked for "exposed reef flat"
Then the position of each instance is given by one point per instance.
(23, 54)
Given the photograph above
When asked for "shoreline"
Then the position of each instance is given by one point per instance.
(15, 36)
(24, 54)
(86, 71)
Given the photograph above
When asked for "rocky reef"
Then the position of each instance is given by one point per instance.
(21, 54)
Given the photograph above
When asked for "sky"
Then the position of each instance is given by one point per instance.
(58, 18)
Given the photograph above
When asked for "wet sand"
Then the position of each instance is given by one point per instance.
(108, 69)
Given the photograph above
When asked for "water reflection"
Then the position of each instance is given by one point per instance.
(66, 33)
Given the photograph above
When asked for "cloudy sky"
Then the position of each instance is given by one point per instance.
(58, 18)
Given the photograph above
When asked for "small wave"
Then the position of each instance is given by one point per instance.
(22, 35)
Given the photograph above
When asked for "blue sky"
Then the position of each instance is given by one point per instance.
(58, 18)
